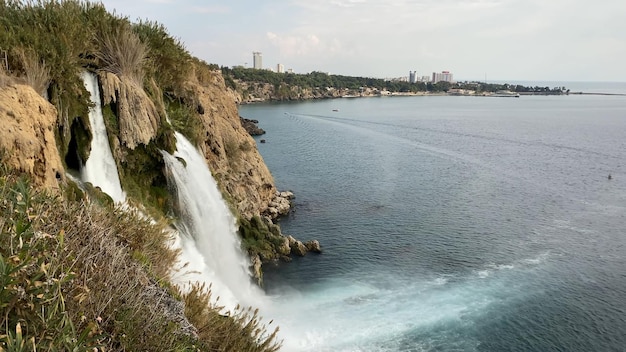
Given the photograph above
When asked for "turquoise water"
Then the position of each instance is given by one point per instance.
(452, 223)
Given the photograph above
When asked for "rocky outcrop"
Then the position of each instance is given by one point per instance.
(27, 141)
(313, 246)
(280, 204)
(252, 92)
(138, 117)
(27, 132)
(298, 248)
(252, 127)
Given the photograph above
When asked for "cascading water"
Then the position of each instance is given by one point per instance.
(208, 238)
(100, 168)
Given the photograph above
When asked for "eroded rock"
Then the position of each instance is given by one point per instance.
(27, 141)
(313, 246)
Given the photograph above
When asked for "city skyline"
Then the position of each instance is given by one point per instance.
(557, 40)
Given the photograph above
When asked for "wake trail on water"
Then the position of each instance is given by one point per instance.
(508, 175)
(459, 134)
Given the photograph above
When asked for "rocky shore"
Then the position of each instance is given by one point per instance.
(251, 126)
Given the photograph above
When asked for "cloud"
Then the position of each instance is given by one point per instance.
(293, 45)
(211, 9)
(383, 38)
(346, 3)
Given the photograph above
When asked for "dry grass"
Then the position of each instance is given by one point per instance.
(218, 331)
(122, 52)
(75, 275)
(35, 72)
(5, 78)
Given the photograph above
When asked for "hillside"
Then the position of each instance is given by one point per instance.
(66, 248)
(249, 85)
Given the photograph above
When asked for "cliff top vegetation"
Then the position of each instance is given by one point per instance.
(323, 80)
(77, 273)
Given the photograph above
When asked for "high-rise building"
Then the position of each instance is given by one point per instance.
(280, 68)
(412, 76)
(257, 60)
(444, 76)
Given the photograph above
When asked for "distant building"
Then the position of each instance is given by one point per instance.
(444, 76)
(280, 68)
(289, 70)
(412, 76)
(425, 79)
(257, 59)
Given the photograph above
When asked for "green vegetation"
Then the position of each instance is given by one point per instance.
(56, 38)
(261, 238)
(48, 43)
(185, 120)
(286, 85)
(75, 275)
(320, 81)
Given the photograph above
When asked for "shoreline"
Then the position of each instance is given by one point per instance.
(417, 94)
(423, 94)
(603, 94)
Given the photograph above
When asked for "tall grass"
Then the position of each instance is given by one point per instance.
(36, 72)
(216, 330)
(122, 52)
(5, 79)
(77, 276)
(169, 61)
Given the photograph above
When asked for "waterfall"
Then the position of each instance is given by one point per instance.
(208, 238)
(100, 168)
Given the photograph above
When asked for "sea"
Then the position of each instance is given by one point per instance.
(451, 223)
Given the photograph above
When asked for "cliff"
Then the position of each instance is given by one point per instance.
(230, 151)
(252, 92)
(101, 244)
(27, 138)
(106, 271)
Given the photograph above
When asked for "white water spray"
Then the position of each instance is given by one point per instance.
(208, 236)
(100, 168)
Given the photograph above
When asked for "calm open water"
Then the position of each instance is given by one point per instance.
(452, 223)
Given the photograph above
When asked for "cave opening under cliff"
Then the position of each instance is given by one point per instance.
(79, 146)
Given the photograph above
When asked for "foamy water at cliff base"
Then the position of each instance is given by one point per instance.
(100, 168)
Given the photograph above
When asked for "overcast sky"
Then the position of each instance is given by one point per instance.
(533, 40)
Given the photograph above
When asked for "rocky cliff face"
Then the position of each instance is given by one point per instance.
(138, 117)
(229, 149)
(138, 131)
(27, 140)
(252, 92)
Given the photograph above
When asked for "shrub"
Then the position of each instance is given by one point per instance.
(36, 73)
(218, 332)
(77, 276)
(122, 52)
(185, 120)
(169, 61)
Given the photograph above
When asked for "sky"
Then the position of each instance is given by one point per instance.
(517, 40)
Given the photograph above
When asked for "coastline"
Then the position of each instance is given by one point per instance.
(242, 101)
